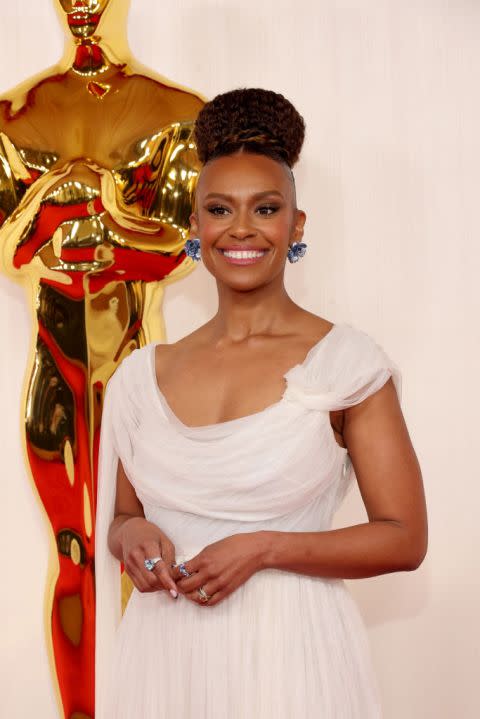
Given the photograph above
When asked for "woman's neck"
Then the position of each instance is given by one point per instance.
(245, 314)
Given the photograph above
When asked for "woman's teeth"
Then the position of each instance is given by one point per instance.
(243, 254)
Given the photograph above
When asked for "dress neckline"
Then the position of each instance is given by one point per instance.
(194, 429)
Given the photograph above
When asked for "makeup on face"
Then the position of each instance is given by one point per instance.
(244, 211)
(242, 255)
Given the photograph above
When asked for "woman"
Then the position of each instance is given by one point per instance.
(229, 476)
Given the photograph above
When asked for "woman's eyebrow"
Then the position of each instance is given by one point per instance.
(256, 196)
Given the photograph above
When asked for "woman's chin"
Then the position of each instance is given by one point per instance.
(244, 282)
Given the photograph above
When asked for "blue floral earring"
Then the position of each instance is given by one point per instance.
(192, 249)
(296, 250)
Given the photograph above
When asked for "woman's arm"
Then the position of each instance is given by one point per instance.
(131, 539)
(389, 477)
(127, 506)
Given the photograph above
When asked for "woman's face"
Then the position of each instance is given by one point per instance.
(245, 205)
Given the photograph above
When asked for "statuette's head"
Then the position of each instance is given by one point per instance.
(83, 16)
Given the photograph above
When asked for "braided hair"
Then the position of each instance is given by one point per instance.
(249, 120)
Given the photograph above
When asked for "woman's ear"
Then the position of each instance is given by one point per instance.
(299, 224)
(193, 225)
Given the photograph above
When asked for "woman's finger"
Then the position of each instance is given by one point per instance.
(164, 577)
(189, 584)
(135, 564)
(198, 575)
(212, 589)
(137, 557)
(137, 577)
(190, 566)
(160, 574)
(168, 554)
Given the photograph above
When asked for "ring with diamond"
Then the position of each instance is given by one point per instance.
(182, 569)
(203, 595)
(150, 563)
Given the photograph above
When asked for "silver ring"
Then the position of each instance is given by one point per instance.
(204, 596)
(150, 563)
(183, 570)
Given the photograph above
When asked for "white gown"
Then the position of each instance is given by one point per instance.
(284, 645)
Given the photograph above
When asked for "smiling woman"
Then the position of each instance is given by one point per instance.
(224, 457)
(257, 214)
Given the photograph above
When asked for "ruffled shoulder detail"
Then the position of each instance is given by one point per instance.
(344, 368)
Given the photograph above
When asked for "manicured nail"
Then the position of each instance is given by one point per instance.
(174, 593)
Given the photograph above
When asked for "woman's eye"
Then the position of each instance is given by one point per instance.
(217, 210)
(220, 210)
(267, 209)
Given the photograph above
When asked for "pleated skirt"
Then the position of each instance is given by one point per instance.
(282, 646)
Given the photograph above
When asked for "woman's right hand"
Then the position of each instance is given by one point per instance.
(141, 540)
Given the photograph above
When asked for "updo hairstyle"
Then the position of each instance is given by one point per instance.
(252, 120)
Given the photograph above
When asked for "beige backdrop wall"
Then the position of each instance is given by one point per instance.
(389, 179)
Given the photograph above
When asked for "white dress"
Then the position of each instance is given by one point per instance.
(284, 645)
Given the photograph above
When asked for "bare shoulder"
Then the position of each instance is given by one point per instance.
(310, 328)
(170, 353)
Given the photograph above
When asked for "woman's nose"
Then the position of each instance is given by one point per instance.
(241, 228)
(241, 233)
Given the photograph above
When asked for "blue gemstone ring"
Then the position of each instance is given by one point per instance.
(150, 563)
(183, 570)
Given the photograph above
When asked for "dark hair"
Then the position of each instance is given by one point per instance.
(253, 120)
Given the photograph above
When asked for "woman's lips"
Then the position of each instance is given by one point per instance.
(243, 257)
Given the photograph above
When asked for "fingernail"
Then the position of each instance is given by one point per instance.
(174, 593)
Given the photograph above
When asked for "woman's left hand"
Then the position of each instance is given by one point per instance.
(221, 567)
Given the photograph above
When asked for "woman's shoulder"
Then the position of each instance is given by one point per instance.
(169, 355)
(351, 344)
(353, 352)
(342, 342)
(346, 366)
(138, 364)
(335, 338)
(132, 371)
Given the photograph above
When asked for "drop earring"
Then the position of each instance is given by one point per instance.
(192, 249)
(296, 250)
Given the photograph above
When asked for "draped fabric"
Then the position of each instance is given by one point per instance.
(283, 644)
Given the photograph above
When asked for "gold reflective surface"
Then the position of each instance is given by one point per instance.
(97, 175)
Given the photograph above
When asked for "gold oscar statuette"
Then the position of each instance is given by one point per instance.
(97, 175)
